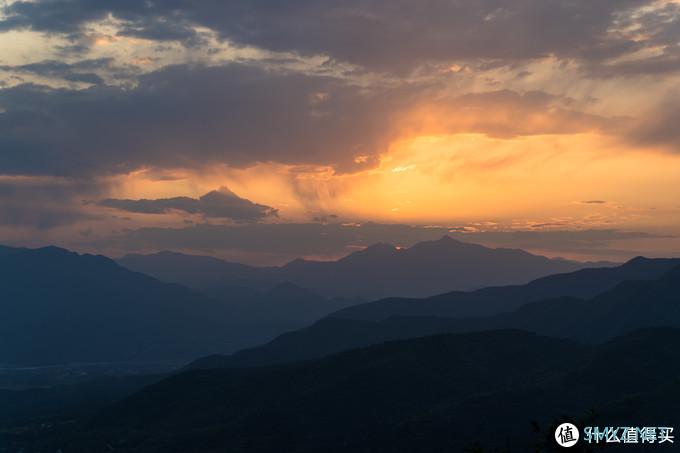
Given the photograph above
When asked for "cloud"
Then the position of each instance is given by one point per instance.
(507, 114)
(82, 71)
(657, 35)
(239, 115)
(587, 242)
(659, 127)
(89, 71)
(381, 35)
(222, 203)
(193, 116)
(44, 203)
(409, 63)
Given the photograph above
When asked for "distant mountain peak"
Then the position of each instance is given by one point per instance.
(53, 249)
(642, 262)
(636, 260)
(297, 262)
(377, 250)
(379, 246)
(439, 265)
(55, 255)
(446, 244)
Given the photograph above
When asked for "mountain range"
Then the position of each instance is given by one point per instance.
(646, 290)
(380, 270)
(493, 369)
(61, 307)
(640, 293)
(582, 284)
(503, 390)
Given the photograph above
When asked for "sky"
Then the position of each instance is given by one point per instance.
(265, 130)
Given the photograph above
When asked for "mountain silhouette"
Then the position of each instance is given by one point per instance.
(587, 344)
(199, 272)
(632, 304)
(622, 305)
(61, 307)
(584, 283)
(431, 394)
(380, 270)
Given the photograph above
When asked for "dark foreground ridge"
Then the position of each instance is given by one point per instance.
(432, 394)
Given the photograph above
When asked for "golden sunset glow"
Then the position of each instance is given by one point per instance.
(459, 178)
(529, 134)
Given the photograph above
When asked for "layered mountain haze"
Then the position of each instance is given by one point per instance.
(476, 360)
(640, 293)
(584, 283)
(198, 272)
(380, 270)
(631, 305)
(61, 307)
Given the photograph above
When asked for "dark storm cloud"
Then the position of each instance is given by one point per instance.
(658, 30)
(193, 116)
(378, 34)
(81, 71)
(44, 203)
(222, 203)
(660, 64)
(660, 126)
(401, 34)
